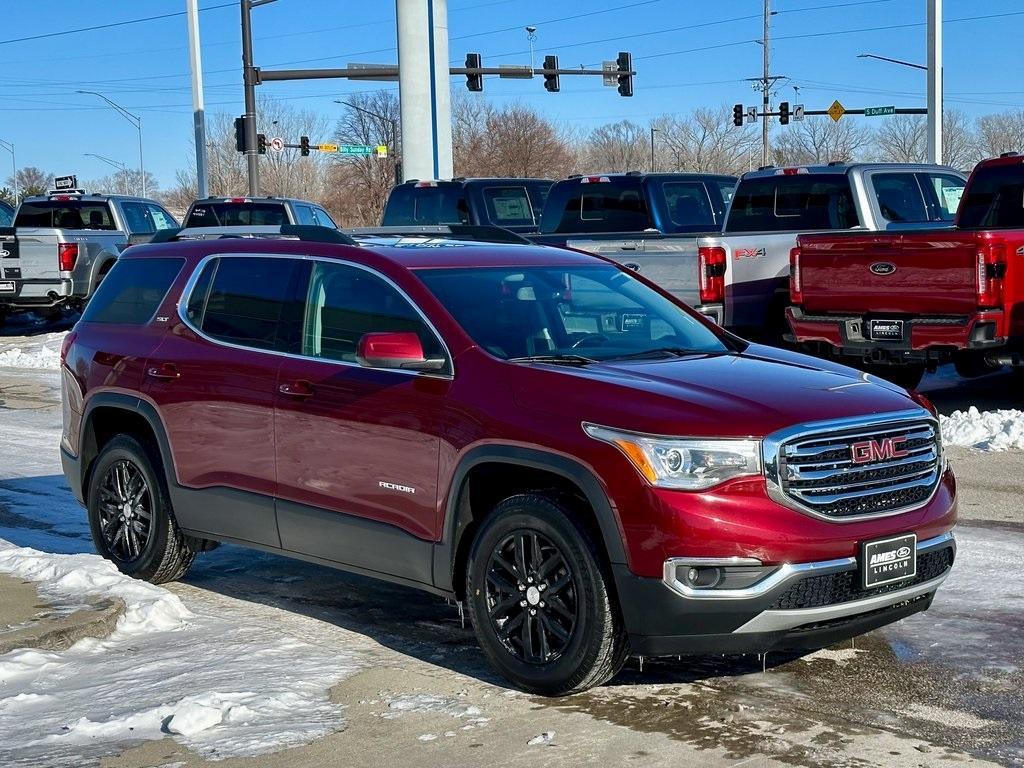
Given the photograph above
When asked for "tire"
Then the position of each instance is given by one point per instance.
(906, 376)
(153, 550)
(594, 647)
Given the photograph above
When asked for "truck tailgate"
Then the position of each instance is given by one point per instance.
(932, 273)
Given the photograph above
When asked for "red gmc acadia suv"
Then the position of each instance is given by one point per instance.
(595, 469)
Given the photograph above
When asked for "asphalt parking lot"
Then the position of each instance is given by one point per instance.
(943, 687)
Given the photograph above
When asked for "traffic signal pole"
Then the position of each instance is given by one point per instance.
(934, 81)
(765, 83)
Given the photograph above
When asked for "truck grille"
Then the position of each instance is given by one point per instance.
(864, 471)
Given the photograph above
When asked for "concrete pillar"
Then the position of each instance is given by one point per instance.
(424, 89)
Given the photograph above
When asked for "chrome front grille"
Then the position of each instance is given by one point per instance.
(854, 470)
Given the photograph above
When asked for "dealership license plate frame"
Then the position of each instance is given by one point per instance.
(872, 577)
(898, 325)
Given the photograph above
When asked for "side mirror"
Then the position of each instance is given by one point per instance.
(400, 349)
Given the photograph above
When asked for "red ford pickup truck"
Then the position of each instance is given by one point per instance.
(903, 303)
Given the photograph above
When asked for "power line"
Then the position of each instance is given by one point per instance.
(111, 25)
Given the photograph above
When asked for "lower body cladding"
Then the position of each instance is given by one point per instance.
(896, 338)
(704, 606)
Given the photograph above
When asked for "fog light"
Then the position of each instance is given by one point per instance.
(703, 578)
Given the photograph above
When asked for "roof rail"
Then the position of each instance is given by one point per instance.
(481, 233)
(305, 232)
(1010, 154)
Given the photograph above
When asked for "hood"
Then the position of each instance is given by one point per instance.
(748, 394)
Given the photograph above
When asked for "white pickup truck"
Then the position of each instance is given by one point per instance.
(62, 245)
(744, 272)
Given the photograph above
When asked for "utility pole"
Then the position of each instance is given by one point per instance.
(198, 108)
(653, 131)
(249, 79)
(765, 82)
(934, 81)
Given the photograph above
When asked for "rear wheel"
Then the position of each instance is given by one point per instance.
(540, 601)
(130, 514)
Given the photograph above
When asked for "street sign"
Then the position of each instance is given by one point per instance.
(277, 144)
(355, 149)
(798, 112)
(751, 114)
(836, 111)
(327, 147)
(879, 111)
(65, 182)
(382, 150)
(611, 73)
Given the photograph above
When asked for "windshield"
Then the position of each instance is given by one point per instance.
(595, 312)
(994, 198)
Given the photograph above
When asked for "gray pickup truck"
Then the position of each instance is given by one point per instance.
(744, 271)
(62, 245)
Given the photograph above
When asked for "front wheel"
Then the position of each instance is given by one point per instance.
(130, 514)
(539, 599)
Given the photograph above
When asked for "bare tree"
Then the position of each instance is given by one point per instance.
(1001, 132)
(903, 139)
(359, 185)
(621, 146)
(31, 181)
(705, 140)
(820, 140)
(126, 182)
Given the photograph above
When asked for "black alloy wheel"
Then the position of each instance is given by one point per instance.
(125, 511)
(532, 597)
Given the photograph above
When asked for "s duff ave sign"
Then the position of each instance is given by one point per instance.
(879, 111)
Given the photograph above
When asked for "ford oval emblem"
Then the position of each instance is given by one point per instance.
(883, 268)
(903, 552)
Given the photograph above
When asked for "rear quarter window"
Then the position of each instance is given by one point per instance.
(132, 291)
(797, 203)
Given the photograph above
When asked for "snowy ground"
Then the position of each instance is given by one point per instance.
(241, 659)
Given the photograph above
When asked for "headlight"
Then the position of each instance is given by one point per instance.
(689, 465)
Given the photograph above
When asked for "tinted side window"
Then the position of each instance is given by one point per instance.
(323, 218)
(248, 302)
(136, 219)
(304, 214)
(6, 216)
(899, 197)
(994, 198)
(797, 203)
(132, 291)
(345, 302)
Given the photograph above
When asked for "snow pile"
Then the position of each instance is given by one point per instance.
(148, 608)
(224, 678)
(1001, 430)
(40, 352)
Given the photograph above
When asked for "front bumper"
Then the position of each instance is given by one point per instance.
(797, 606)
(925, 335)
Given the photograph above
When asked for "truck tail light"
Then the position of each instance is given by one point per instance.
(67, 256)
(991, 274)
(65, 345)
(796, 294)
(711, 277)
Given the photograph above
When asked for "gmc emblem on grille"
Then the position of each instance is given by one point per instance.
(878, 450)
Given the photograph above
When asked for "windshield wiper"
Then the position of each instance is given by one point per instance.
(662, 352)
(555, 359)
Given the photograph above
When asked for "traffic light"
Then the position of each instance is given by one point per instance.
(551, 80)
(261, 143)
(475, 82)
(304, 146)
(784, 113)
(240, 133)
(625, 66)
(737, 115)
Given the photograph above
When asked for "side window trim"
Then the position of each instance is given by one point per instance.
(186, 295)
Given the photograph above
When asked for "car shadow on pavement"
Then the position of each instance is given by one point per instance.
(40, 512)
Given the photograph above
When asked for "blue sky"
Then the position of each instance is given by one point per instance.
(687, 54)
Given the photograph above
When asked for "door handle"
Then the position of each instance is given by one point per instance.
(631, 265)
(163, 371)
(296, 389)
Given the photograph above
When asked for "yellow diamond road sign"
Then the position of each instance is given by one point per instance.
(836, 111)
